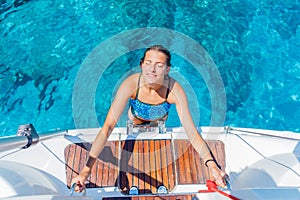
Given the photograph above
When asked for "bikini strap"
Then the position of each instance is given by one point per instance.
(168, 89)
(138, 87)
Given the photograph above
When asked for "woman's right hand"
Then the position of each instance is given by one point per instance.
(80, 181)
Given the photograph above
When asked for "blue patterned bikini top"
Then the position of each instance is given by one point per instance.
(149, 112)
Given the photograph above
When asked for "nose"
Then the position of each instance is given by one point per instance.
(153, 68)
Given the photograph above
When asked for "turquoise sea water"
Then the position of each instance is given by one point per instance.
(254, 46)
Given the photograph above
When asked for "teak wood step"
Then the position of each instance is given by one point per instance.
(146, 164)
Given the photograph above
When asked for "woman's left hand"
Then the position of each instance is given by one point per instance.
(217, 175)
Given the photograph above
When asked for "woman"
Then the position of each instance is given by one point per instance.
(150, 94)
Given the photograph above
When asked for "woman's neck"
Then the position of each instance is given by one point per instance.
(154, 86)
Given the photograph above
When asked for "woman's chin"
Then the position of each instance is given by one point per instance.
(154, 82)
(151, 81)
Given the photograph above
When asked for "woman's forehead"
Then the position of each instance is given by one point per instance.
(155, 55)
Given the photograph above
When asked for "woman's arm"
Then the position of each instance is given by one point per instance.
(123, 94)
(178, 97)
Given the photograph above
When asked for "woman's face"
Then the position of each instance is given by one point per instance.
(154, 67)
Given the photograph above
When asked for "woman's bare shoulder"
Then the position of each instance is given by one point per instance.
(174, 85)
(134, 76)
(176, 91)
(129, 85)
(132, 79)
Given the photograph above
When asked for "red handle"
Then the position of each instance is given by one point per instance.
(212, 187)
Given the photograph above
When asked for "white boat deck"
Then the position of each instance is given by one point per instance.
(260, 166)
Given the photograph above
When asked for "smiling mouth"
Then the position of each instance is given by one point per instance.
(151, 75)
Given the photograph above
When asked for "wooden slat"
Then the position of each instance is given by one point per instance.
(170, 166)
(186, 158)
(141, 169)
(83, 155)
(152, 166)
(157, 165)
(164, 164)
(192, 163)
(105, 170)
(185, 153)
(117, 163)
(69, 155)
(113, 167)
(135, 165)
(200, 171)
(96, 175)
(96, 172)
(180, 162)
(126, 167)
(147, 176)
(109, 160)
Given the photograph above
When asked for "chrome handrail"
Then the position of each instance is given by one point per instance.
(26, 136)
(13, 142)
